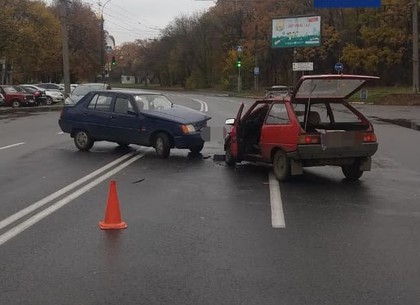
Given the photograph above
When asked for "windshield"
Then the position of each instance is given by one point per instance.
(9, 89)
(152, 102)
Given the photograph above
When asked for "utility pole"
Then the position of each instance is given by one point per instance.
(415, 49)
(102, 53)
(256, 68)
(65, 43)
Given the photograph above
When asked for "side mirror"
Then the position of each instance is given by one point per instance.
(230, 121)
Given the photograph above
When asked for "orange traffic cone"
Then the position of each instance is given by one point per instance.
(112, 213)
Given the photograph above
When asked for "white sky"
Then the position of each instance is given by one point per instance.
(128, 20)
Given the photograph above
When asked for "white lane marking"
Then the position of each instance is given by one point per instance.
(59, 204)
(61, 132)
(203, 105)
(44, 201)
(277, 216)
(12, 145)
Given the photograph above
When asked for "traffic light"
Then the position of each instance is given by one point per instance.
(238, 62)
(113, 62)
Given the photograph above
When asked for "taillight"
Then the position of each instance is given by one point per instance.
(308, 139)
(369, 137)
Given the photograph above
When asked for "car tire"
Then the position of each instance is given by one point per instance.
(352, 172)
(230, 160)
(162, 146)
(281, 166)
(195, 150)
(83, 140)
(49, 100)
(15, 104)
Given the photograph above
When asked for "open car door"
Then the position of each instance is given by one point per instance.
(231, 142)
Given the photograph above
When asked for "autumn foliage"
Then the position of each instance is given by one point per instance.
(199, 51)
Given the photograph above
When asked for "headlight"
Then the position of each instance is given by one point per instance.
(187, 128)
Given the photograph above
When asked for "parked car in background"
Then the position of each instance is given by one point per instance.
(72, 86)
(39, 95)
(277, 91)
(133, 117)
(1, 99)
(53, 96)
(82, 89)
(50, 86)
(15, 98)
(314, 126)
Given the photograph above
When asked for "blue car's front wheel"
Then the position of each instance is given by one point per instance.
(162, 146)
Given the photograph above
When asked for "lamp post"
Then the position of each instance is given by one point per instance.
(65, 45)
(102, 7)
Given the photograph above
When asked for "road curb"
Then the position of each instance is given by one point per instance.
(32, 109)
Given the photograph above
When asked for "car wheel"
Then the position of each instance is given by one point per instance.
(195, 150)
(352, 172)
(83, 140)
(162, 146)
(281, 166)
(49, 100)
(15, 104)
(229, 158)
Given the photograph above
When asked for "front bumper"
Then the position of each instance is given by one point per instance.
(188, 140)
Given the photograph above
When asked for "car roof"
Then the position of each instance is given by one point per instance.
(128, 91)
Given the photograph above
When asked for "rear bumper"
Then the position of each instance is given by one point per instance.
(314, 155)
(315, 151)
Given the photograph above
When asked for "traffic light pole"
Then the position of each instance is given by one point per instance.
(239, 79)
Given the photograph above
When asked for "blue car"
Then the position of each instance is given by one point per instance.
(133, 117)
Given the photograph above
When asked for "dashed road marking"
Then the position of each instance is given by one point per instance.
(12, 145)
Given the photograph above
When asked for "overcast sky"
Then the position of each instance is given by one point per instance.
(128, 20)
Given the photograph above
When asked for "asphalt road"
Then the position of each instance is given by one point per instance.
(199, 232)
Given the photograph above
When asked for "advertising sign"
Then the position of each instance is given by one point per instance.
(346, 3)
(292, 32)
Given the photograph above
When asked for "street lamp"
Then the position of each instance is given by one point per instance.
(102, 7)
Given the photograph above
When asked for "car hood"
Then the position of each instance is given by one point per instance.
(334, 86)
(179, 114)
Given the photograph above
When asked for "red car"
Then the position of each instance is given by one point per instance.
(14, 98)
(314, 126)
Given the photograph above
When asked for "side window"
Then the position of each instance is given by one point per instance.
(100, 102)
(121, 105)
(277, 115)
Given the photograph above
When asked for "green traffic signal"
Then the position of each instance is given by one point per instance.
(113, 62)
(238, 63)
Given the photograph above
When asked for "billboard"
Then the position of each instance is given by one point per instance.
(292, 32)
(346, 3)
